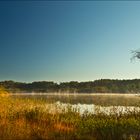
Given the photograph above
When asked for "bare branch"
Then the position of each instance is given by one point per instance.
(136, 55)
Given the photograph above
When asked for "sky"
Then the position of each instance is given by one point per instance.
(69, 40)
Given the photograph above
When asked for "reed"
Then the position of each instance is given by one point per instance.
(32, 119)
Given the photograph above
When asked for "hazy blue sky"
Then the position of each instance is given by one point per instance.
(64, 41)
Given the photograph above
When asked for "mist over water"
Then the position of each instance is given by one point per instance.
(88, 103)
(97, 99)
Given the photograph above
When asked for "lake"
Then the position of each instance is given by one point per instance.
(91, 103)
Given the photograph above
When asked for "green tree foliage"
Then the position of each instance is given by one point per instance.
(97, 86)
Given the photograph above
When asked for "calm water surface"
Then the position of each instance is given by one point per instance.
(96, 99)
(91, 103)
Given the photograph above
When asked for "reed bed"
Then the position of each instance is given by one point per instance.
(31, 119)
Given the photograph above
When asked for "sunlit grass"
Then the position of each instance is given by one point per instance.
(33, 119)
(3, 92)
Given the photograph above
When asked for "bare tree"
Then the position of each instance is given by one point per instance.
(136, 54)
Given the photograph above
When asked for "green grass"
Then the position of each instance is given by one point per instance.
(30, 119)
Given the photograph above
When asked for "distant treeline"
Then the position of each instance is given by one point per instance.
(97, 86)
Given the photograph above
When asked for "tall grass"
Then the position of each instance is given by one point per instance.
(31, 119)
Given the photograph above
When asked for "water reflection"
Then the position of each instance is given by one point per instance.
(97, 99)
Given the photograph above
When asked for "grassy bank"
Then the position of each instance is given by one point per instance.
(27, 119)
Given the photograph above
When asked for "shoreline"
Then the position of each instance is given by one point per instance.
(79, 94)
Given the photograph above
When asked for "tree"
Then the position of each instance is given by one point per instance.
(136, 54)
